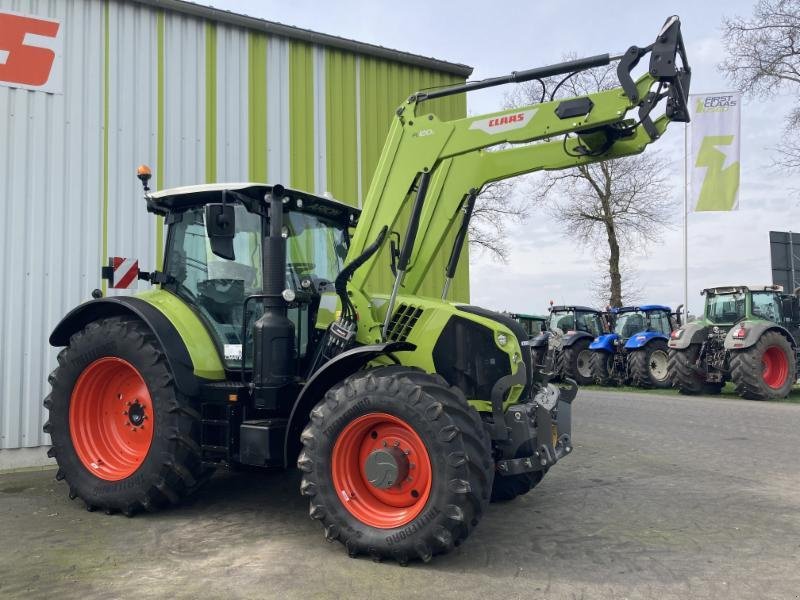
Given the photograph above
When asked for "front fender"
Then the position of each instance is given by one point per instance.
(691, 333)
(570, 339)
(540, 341)
(754, 329)
(191, 364)
(604, 342)
(331, 373)
(641, 339)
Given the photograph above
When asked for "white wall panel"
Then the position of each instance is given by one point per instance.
(278, 152)
(184, 100)
(51, 166)
(232, 128)
(133, 120)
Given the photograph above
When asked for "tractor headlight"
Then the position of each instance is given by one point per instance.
(288, 295)
(502, 339)
(676, 335)
(740, 333)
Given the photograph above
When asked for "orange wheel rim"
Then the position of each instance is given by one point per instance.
(111, 418)
(776, 367)
(359, 448)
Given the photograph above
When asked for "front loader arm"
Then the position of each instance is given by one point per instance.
(428, 167)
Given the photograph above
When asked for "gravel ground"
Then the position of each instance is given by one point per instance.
(664, 497)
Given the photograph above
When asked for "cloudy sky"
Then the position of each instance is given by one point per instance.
(496, 38)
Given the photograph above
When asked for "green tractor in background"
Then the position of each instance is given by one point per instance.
(747, 335)
(532, 324)
(266, 344)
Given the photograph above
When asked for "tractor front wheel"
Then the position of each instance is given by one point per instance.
(576, 362)
(766, 370)
(396, 464)
(602, 367)
(648, 366)
(123, 437)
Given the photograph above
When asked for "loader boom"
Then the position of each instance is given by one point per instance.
(428, 167)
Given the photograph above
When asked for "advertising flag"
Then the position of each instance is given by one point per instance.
(714, 151)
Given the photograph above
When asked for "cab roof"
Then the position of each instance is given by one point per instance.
(642, 307)
(729, 289)
(181, 198)
(524, 316)
(562, 307)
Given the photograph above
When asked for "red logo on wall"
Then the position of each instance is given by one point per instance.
(30, 49)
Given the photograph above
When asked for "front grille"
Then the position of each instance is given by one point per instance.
(403, 321)
(467, 357)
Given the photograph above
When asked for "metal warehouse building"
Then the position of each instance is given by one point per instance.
(89, 89)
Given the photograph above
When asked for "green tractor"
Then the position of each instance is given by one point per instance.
(532, 324)
(747, 335)
(264, 342)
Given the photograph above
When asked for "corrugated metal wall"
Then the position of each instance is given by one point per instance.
(196, 100)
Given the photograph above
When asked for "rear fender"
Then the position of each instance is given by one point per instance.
(641, 339)
(171, 342)
(754, 329)
(324, 379)
(691, 333)
(604, 343)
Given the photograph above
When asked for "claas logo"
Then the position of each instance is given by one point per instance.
(28, 51)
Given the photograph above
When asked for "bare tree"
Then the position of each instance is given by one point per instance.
(615, 206)
(764, 56)
(495, 206)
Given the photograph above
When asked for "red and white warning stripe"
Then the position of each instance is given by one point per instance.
(126, 272)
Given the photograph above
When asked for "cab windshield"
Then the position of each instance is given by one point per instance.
(569, 320)
(725, 308)
(630, 323)
(217, 287)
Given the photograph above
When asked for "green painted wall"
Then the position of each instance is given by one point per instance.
(384, 87)
(340, 120)
(257, 106)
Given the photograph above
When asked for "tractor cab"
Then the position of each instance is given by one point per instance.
(571, 319)
(215, 258)
(651, 318)
(532, 324)
(726, 306)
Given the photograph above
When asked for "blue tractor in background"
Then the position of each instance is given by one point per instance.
(635, 352)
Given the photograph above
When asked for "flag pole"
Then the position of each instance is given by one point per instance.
(685, 220)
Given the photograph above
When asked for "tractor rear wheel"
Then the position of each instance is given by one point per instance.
(124, 438)
(766, 370)
(396, 464)
(602, 365)
(576, 362)
(682, 373)
(648, 366)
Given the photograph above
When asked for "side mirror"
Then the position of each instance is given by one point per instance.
(220, 229)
